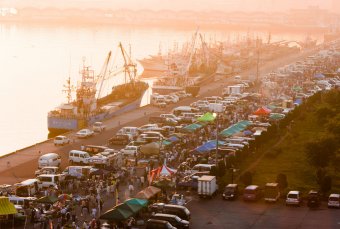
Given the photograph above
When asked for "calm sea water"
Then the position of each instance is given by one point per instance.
(36, 60)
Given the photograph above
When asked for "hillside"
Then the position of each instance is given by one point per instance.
(304, 144)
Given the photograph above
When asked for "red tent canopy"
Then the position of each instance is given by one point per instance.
(163, 170)
(262, 111)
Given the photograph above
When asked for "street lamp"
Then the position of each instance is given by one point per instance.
(217, 130)
(233, 170)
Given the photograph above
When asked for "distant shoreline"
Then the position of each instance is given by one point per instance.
(171, 24)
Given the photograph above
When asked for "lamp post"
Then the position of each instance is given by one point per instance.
(232, 174)
(216, 150)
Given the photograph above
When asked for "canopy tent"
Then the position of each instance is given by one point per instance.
(6, 207)
(173, 138)
(236, 128)
(298, 101)
(47, 200)
(276, 116)
(262, 111)
(296, 88)
(207, 117)
(152, 148)
(136, 201)
(162, 171)
(117, 214)
(166, 142)
(144, 194)
(319, 76)
(208, 146)
(192, 127)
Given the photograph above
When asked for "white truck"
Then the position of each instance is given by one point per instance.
(234, 89)
(207, 186)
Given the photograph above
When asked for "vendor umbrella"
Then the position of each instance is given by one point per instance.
(207, 117)
(262, 111)
(137, 202)
(47, 200)
(144, 194)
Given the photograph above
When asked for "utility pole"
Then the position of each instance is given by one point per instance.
(257, 61)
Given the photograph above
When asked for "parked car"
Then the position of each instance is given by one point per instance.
(98, 127)
(252, 193)
(130, 150)
(47, 170)
(334, 201)
(147, 127)
(230, 192)
(172, 219)
(159, 224)
(120, 139)
(294, 198)
(84, 133)
(61, 140)
(178, 210)
(49, 159)
(313, 199)
(50, 180)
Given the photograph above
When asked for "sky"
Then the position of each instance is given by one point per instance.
(197, 5)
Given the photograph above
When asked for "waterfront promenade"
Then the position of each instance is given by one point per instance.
(22, 164)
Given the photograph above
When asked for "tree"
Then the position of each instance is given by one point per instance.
(281, 179)
(247, 178)
(321, 152)
(221, 168)
(326, 184)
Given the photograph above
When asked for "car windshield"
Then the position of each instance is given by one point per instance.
(249, 191)
(229, 189)
(293, 196)
(333, 199)
(97, 124)
(59, 138)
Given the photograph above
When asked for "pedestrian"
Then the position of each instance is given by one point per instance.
(94, 212)
(131, 189)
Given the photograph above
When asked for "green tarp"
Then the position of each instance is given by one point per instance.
(192, 127)
(136, 201)
(117, 213)
(276, 116)
(47, 200)
(6, 207)
(207, 117)
(236, 128)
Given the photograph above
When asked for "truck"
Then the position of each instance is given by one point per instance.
(234, 89)
(271, 192)
(207, 186)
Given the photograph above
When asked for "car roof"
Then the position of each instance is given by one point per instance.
(232, 185)
(334, 195)
(293, 192)
(165, 215)
(251, 187)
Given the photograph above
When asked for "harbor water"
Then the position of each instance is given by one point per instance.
(37, 59)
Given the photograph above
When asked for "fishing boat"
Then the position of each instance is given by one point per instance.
(90, 106)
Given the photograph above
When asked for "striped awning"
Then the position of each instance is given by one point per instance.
(6, 207)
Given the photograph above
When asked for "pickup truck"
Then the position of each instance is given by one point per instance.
(98, 127)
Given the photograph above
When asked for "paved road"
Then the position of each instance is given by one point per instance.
(217, 213)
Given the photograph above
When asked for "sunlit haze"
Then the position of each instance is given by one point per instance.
(195, 5)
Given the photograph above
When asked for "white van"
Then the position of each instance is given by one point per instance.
(78, 171)
(133, 131)
(184, 109)
(28, 187)
(49, 159)
(50, 180)
(78, 156)
(21, 201)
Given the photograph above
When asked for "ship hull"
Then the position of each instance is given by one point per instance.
(58, 125)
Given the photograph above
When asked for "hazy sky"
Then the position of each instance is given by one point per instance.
(224, 5)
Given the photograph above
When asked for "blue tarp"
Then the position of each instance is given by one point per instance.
(319, 76)
(208, 146)
(173, 139)
(298, 101)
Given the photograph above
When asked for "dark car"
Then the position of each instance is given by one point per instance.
(158, 224)
(181, 211)
(252, 193)
(119, 139)
(313, 199)
(174, 220)
(230, 192)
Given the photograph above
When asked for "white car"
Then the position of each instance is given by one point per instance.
(130, 151)
(98, 127)
(147, 127)
(84, 133)
(61, 140)
(172, 116)
(47, 170)
(294, 198)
